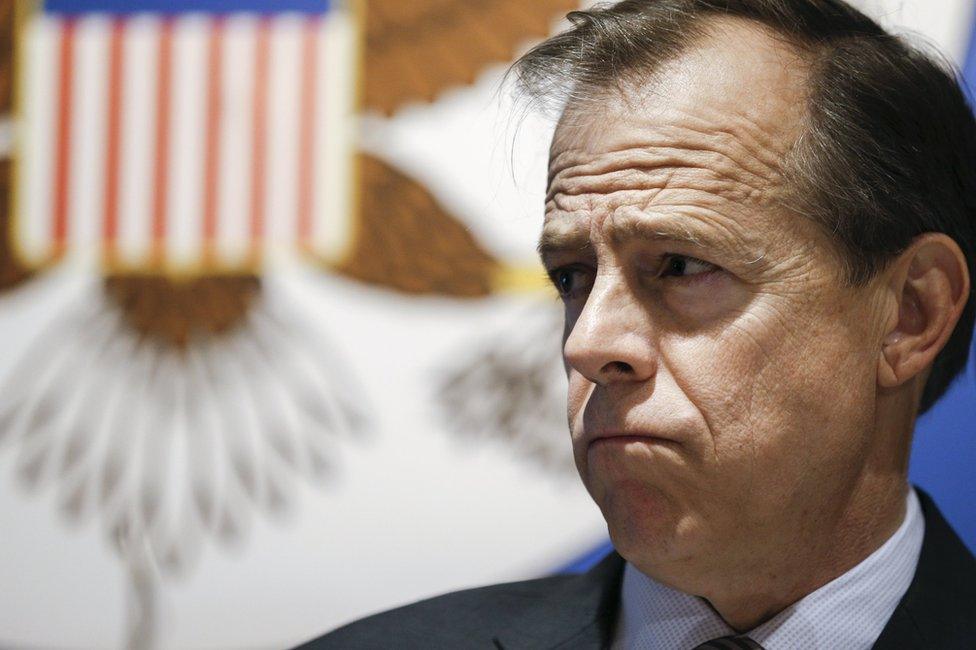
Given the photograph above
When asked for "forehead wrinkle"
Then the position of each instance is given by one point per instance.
(625, 226)
(764, 144)
(652, 174)
(708, 230)
(583, 230)
(652, 157)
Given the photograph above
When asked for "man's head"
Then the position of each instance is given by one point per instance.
(760, 218)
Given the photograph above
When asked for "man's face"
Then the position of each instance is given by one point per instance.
(721, 372)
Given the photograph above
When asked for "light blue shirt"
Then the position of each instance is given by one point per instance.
(849, 612)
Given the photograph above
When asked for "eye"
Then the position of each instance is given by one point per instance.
(569, 280)
(680, 266)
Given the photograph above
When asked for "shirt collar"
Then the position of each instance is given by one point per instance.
(848, 612)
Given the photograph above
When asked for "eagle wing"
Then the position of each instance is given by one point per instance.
(415, 50)
(406, 241)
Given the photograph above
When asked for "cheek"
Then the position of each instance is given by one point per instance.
(716, 374)
(580, 389)
(778, 395)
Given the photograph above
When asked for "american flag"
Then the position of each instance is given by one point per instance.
(185, 134)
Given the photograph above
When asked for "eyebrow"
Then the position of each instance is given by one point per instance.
(561, 237)
(556, 239)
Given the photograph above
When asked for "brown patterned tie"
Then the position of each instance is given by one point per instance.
(730, 643)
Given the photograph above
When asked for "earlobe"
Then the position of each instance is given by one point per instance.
(929, 284)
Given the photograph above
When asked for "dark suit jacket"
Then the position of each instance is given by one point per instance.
(937, 612)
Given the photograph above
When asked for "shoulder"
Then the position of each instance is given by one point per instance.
(946, 564)
(476, 618)
(450, 620)
(939, 608)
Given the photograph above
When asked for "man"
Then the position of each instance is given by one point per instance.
(761, 219)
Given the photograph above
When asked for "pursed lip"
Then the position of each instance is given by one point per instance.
(629, 436)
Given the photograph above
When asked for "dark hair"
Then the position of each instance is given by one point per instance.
(888, 149)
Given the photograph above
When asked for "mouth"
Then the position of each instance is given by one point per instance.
(627, 438)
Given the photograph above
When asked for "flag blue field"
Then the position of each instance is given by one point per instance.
(185, 6)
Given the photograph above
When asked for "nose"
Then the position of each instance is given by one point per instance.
(612, 338)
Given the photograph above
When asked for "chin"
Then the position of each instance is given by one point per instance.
(643, 524)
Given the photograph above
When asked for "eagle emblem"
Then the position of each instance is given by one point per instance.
(180, 163)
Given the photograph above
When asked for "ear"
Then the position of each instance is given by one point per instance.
(929, 283)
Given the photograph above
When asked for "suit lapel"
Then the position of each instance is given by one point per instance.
(577, 615)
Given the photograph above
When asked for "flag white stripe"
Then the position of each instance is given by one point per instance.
(35, 223)
(333, 209)
(138, 126)
(284, 119)
(86, 191)
(235, 140)
(324, 139)
(184, 216)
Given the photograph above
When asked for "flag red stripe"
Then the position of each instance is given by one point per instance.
(161, 164)
(113, 144)
(211, 163)
(306, 132)
(259, 135)
(62, 154)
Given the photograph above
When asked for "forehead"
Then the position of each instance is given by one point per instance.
(704, 136)
(739, 79)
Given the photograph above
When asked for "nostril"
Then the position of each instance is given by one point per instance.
(618, 367)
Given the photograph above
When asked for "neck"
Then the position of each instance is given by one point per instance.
(870, 511)
(779, 584)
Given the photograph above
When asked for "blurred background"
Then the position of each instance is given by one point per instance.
(275, 352)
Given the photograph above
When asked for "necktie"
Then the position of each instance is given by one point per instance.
(730, 643)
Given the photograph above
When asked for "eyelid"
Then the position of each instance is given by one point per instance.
(692, 258)
(666, 258)
(574, 267)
